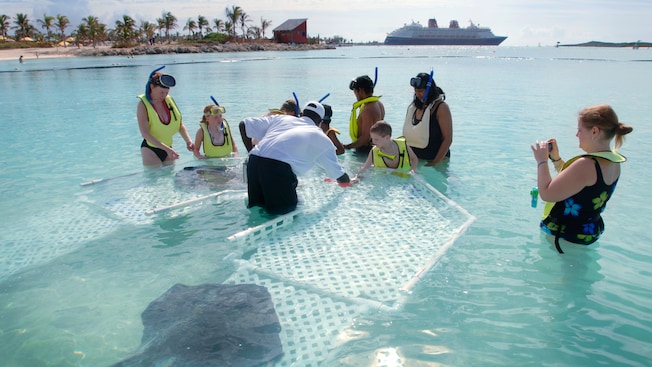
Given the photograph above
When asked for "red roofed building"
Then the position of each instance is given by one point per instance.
(292, 31)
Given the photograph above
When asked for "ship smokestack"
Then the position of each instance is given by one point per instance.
(432, 23)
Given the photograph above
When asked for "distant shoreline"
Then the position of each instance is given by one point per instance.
(638, 44)
(74, 51)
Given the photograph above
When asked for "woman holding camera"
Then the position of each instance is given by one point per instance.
(579, 193)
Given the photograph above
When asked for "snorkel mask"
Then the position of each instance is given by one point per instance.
(355, 83)
(164, 81)
(215, 110)
(419, 83)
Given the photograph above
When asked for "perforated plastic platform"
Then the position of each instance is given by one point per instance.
(47, 235)
(103, 205)
(344, 252)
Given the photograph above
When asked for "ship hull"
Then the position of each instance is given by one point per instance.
(495, 41)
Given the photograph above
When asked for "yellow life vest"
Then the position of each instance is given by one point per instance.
(213, 151)
(404, 163)
(353, 123)
(159, 130)
(612, 156)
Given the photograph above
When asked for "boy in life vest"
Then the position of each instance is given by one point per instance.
(388, 152)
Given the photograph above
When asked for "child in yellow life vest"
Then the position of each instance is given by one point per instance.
(388, 152)
(214, 135)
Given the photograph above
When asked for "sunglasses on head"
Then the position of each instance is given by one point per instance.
(418, 83)
(165, 81)
(215, 110)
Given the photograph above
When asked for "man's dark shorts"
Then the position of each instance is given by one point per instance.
(271, 184)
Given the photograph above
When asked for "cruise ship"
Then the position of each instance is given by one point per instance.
(416, 34)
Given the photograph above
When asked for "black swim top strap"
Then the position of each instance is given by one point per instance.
(598, 170)
(557, 245)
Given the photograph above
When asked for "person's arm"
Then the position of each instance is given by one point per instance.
(143, 126)
(446, 126)
(568, 182)
(327, 159)
(368, 163)
(199, 140)
(245, 139)
(235, 147)
(344, 180)
(414, 160)
(339, 148)
(186, 137)
(553, 154)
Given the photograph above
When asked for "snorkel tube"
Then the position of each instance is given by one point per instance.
(296, 107)
(428, 85)
(218, 105)
(148, 81)
(376, 77)
(214, 101)
(324, 97)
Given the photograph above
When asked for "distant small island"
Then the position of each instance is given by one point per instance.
(636, 44)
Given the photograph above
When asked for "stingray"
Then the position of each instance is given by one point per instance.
(209, 325)
(205, 177)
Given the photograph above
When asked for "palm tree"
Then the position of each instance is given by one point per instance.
(219, 25)
(125, 30)
(148, 29)
(95, 29)
(244, 19)
(160, 22)
(62, 23)
(169, 22)
(190, 27)
(254, 32)
(22, 26)
(202, 23)
(264, 24)
(232, 16)
(4, 25)
(228, 28)
(46, 23)
(81, 34)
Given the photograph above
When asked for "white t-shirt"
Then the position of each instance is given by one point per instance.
(296, 141)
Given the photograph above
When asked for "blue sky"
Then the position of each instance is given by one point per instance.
(525, 22)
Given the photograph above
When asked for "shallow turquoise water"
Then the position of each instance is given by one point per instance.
(500, 296)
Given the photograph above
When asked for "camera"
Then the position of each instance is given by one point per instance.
(550, 146)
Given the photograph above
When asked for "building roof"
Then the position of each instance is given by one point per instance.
(290, 24)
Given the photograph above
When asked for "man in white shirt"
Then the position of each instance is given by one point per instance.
(287, 146)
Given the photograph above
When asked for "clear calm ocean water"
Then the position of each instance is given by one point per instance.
(73, 285)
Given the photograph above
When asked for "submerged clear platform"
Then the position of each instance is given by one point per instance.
(344, 252)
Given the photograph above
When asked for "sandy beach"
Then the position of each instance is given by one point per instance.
(38, 52)
(73, 51)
